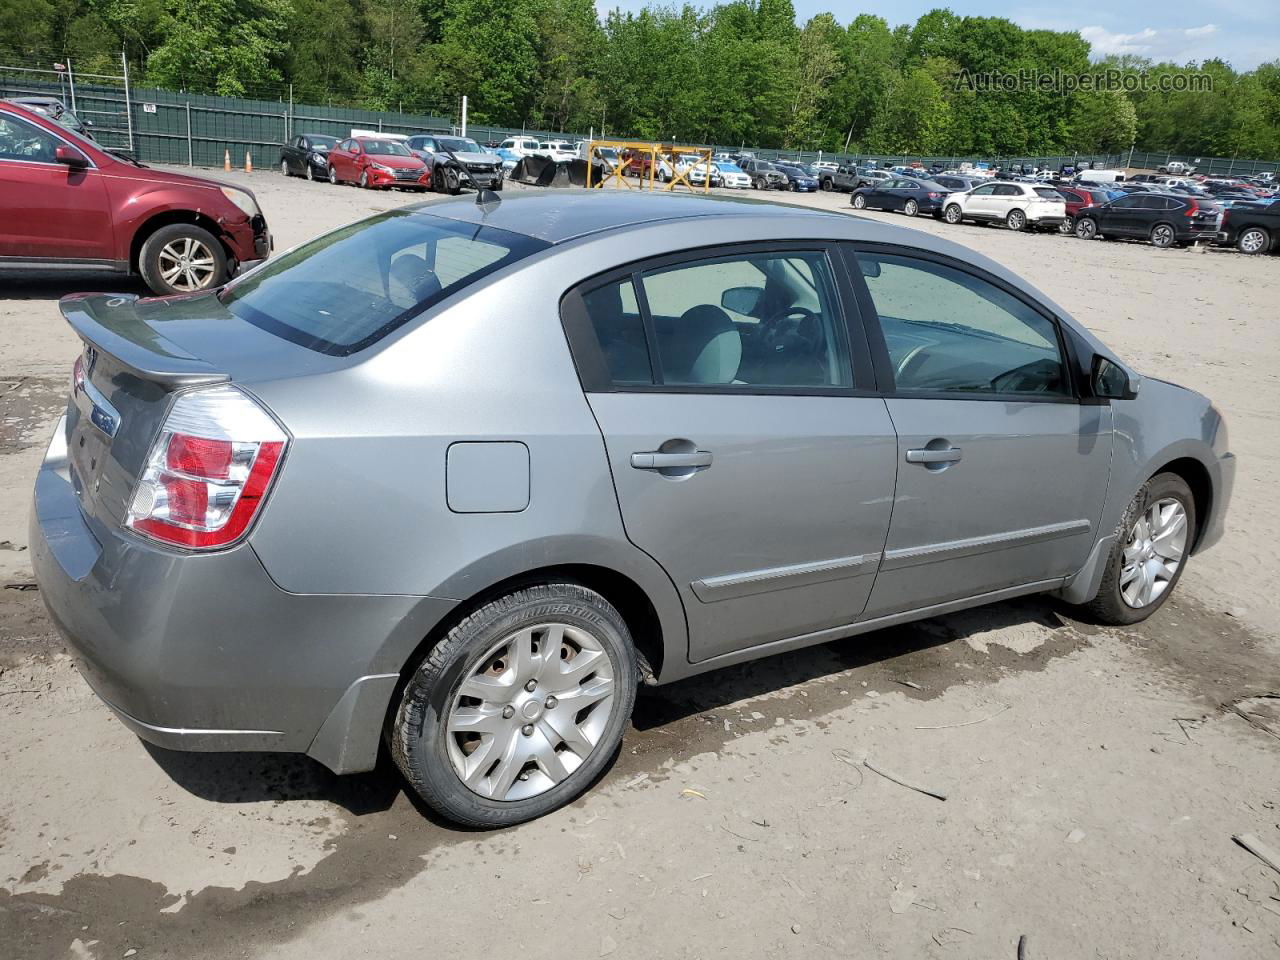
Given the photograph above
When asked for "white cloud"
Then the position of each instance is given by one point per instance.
(1204, 31)
(1106, 43)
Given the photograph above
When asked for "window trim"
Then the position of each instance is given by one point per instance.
(880, 352)
(593, 371)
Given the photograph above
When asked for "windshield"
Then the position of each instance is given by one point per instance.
(350, 288)
(1048, 194)
(386, 148)
(729, 168)
(458, 145)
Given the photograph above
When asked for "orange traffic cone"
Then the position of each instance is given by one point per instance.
(248, 162)
(226, 161)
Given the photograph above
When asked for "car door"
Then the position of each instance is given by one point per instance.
(981, 202)
(50, 209)
(1125, 216)
(1002, 472)
(749, 458)
(1003, 199)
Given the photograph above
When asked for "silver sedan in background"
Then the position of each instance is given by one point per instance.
(462, 475)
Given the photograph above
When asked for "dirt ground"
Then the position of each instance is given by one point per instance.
(1093, 778)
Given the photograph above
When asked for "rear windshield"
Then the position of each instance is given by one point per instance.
(1048, 194)
(348, 289)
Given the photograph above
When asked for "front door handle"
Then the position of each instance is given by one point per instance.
(655, 460)
(925, 455)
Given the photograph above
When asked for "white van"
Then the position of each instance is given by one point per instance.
(520, 146)
(1100, 176)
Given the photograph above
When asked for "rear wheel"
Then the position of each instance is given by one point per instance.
(182, 258)
(1067, 227)
(1162, 236)
(284, 168)
(1015, 220)
(952, 214)
(1253, 240)
(519, 708)
(859, 202)
(911, 208)
(1153, 540)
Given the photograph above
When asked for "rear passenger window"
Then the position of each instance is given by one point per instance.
(757, 320)
(948, 331)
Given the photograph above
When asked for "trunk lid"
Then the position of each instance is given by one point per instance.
(137, 354)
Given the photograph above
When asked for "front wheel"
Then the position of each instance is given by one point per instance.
(364, 179)
(1153, 540)
(859, 202)
(911, 208)
(519, 708)
(182, 258)
(1086, 228)
(333, 176)
(1252, 241)
(825, 184)
(952, 214)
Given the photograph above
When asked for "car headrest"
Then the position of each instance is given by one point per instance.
(704, 346)
(412, 281)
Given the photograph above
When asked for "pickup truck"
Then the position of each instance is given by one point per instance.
(1251, 227)
(847, 177)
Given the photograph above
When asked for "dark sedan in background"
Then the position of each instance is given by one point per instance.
(902, 193)
(307, 155)
(798, 178)
(1164, 219)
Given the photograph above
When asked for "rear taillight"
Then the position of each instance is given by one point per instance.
(209, 471)
(933, 195)
(1192, 210)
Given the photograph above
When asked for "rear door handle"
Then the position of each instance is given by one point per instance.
(660, 461)
(925, 455)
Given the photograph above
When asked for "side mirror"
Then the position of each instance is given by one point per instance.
(72, 157)
(1111, 381)
(741, 300)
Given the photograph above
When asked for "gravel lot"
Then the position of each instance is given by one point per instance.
(1094, 777)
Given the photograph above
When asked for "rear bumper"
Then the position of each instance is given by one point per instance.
(205, 652)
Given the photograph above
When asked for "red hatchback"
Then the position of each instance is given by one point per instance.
(68, 203)
(377, 162)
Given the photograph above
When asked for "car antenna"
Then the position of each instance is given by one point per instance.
(487, 199)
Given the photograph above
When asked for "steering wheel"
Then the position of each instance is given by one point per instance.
(1039, 376)
(784, 329)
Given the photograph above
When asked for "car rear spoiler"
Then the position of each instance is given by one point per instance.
(110, 323)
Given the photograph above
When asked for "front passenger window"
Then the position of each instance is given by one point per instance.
(948, 331)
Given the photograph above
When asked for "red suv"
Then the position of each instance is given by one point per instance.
(68, 202)
(378, 162)
(1078, 198)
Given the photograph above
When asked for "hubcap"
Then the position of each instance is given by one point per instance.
(1252, 241)
(530, 711)
(187, 264)
(953, 214)
(1154, 552)
(1163, 235)
(1015, 220)
(911, 208)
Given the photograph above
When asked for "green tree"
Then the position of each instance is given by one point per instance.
(220, 46)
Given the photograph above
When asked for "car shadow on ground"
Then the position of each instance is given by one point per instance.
(54, 285)
(920, 649)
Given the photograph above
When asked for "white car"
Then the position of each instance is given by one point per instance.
(1016, 205)
(520, 146)
(826, 165)
(556, 150)
(731, 175)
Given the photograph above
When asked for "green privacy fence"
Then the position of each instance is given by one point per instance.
(164, 127)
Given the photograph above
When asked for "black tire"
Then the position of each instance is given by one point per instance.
(333, 175)
(311, 172)
(1087, 228)
(859, 202)
(1163, 236)
(1067, 227)
(1258, 241)
(825, 183)
(953, 214)
(911, 208)
(452, 182)
(149, 258)
(364, 180)
(1109, 606)
(284, 167)
(1016, 220)
(417, 735)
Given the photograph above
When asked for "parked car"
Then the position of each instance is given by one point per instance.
(733, 176)
(1078, 197)
(486, 613)
(764, 175)
(58, 112)
(70, 203)
(846, 177)
(1018, 206)
(1164, 219)
(954, 183)
(1176, 167)
(798, 179)
(307, 155)
(906, 194)
(556, 150)
(1252, 228)
(378, 163)
(457, 162)
(639, 163)
(520, 146)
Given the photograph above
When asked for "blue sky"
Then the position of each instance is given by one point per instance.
(1244, 32)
